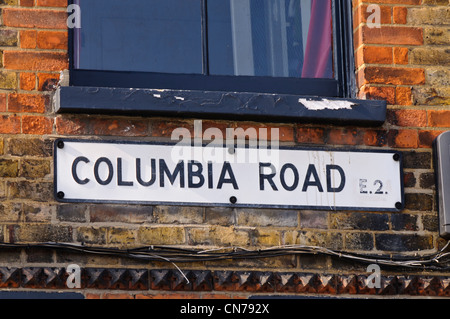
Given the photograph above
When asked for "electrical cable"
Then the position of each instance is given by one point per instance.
(435, 261)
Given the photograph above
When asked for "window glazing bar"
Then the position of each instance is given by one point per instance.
(205, 54)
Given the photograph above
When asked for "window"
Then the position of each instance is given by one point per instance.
(300, 47)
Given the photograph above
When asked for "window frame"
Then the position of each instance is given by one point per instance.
(342, 86)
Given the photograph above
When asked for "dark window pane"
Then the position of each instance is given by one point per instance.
(140, 35)
(279, 38)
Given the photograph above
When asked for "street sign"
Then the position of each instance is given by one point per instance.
(211, 175)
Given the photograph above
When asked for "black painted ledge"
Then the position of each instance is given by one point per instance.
(220, 105)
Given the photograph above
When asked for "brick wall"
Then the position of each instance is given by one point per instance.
(406, 62)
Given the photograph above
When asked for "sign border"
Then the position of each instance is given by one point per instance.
(59, 198)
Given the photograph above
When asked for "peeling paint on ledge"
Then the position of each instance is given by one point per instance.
(326, 104)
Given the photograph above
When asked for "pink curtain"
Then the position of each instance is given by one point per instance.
(318, 52)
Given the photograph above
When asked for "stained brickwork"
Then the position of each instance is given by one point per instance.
(122, 283)
(406, 61)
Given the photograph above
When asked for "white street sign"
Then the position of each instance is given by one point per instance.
(207, 175)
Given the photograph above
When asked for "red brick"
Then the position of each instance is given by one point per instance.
(345, 137)
(26, 3)
(27, 81)
(52, 40)
(35, 61)
(401, 55)
(310, 135)
(375, 138)
(438, 118)
(120, 127)
(47, 81)
(9, 124)
(52, 3)
(400, 14)
(30, 103)
(32, 18)
(117, 296)
(377, 55)
(407, 117)
(2, 102)
(214, 125)
(143, 296)
(36, 125)
(361, 15)
(391, 35)
(426, 137)
(285, 133)
(403, 95)
(71, 126)
(263, 132)
(409, 2)
(169, 296)
(216, 296)
(165, 128)
(391, 75)
(386, 93)
(28, 39)
(361, 78)
(357, 39)
(403, 138)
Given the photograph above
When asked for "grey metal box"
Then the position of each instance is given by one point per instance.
(442, 171)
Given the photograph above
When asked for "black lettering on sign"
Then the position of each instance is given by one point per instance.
(226, 169)
(380, 186)
(210, 175)
(110, 171)
(164, 171)
(282, 177)
(268, 177)
(362, 186)
(74, 170)
(120, 181)
(139, 173)
(341, 186)
(195, 173)
(308, 182)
